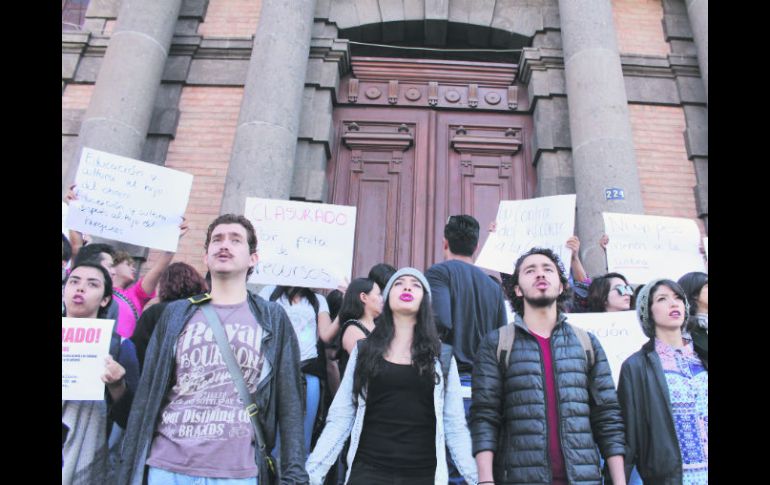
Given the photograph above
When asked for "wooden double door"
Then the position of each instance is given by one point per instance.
(406, 170)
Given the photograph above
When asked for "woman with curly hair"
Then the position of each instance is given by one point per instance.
(179, 280)
(396, 402)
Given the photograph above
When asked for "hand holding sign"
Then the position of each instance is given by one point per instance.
(523, 224)
(128, 200)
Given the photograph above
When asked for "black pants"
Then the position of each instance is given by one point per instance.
(364, 474)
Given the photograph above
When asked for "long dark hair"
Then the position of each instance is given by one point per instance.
(600, 289)
(352, 306)
(426, 346)
(102, 312)
(291, 291)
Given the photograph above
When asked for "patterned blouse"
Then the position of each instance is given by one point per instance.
(688, 388)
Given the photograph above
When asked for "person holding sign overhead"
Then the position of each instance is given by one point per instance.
(399, 400)
(663, 393)
(87, 294)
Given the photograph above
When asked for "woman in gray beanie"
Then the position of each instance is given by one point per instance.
(663, 393)
(400, 406)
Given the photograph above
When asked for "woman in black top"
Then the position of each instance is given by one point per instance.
(360, 306)
(397, 403)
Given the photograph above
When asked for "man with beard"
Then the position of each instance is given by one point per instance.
(538, 415)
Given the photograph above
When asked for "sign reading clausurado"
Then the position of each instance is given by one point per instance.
(302, 243)
(85, 343)
(643, 248)
(545, 222)
(619, 333)
(127, 200)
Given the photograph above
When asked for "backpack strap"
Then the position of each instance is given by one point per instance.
(199, 299)
(505, 345)
(585, 342)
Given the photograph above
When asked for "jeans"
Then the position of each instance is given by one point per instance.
(159, 476)
(311, 407)
(455, 478)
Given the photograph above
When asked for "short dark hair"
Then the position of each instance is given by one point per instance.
(91, 252)
(462, 234)
(251, 234)
(380, 274)
(66, 248)
(599, 290)
(102, 313)
(517, 302)
(334, 300)
(180, 280)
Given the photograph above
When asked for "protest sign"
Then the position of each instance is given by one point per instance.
(128, 200)
(545, 222)
(302, 243)
(643, 248)
(85, 343)
(619, 333)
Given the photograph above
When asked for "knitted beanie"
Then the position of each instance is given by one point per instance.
(643, 307)
(406, 272)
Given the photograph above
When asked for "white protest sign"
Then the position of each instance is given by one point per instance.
(545, 222)
(643, 248)
(64, 212)
(128, 200)
(85, 343)
(302, 243)
(619, 333)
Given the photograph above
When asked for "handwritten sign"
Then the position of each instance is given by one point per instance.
(523, 224)
(619, 333)
(85, 343)
(302, 243)
(643, 248)
(128, 200)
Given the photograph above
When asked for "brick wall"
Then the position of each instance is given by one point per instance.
(202, 148)
(230, 18)
(76, 96)
(639, 27)
(666, 175)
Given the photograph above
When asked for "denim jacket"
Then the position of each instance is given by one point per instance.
(346, 419)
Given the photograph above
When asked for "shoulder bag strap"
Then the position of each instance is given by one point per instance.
(235, 373)
(505, 345)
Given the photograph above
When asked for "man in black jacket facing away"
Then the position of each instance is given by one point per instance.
(467, 304)
(539, 419)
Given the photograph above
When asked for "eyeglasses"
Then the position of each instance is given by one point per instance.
(624, 290)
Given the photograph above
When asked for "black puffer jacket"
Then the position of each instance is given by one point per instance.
(508, 413)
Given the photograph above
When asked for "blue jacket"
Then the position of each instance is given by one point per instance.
(276, 398)
(347, 419)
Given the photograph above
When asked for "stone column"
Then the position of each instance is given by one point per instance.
(698, 11)
(262, 159)
(602, 146)
(121, 106)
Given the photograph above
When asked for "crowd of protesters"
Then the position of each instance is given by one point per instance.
(399, 377)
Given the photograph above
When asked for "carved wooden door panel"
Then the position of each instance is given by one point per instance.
(481, 160)
(377, 170)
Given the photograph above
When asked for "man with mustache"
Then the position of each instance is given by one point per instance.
(538, 415)
(187, 423)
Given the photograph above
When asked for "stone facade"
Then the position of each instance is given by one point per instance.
(205, 73)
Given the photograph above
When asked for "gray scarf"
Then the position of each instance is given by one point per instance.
(85, 451)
